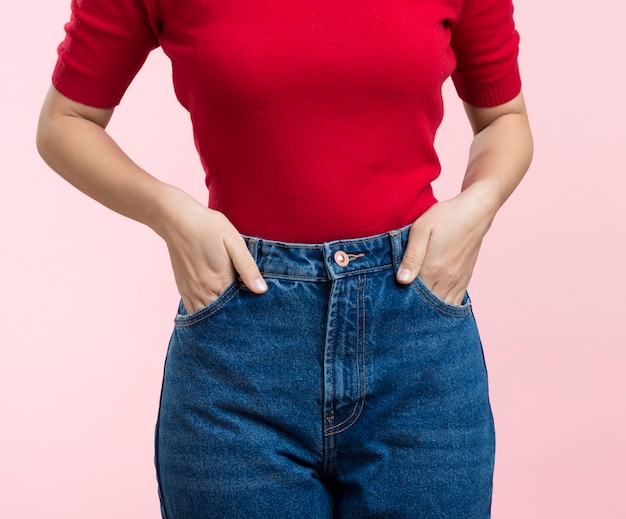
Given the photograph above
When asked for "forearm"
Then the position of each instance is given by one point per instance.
(81, 151)
(445, 241)
(205, 248)
(499, 157)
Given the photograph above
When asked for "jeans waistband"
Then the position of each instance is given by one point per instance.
(331, 260)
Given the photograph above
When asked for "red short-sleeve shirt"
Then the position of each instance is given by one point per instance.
(314, 119)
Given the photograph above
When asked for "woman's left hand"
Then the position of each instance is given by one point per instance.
(444, 243)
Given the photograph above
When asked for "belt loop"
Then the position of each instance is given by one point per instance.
(397, 249)
(253, 247)
(329, 262)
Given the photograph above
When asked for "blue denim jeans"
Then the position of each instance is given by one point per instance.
(339, 393)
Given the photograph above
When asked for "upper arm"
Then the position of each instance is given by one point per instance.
(57, 105)
(58, 108)
(481, 117)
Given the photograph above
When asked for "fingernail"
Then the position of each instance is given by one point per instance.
(404, 275)
(259, 284)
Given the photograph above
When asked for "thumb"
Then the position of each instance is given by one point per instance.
(413, 255)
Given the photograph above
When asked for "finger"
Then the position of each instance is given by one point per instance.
(459, 296)
(187, 305)
(458, 300)
(245, 266)
(453, 294)
(192, 304)
(413, 255)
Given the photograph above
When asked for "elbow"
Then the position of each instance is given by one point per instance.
(526, 136)
(62, 119)
(43, 137)
(47, 125)
(47, 139)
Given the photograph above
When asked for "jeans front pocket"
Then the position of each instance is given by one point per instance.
(185, 319)
(439, 304)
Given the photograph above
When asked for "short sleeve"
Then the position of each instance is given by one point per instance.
(106, 43)
(485, 43)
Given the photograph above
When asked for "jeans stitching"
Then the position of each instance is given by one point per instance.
(377, 268)
(360, 404)
(360, 365)
(340, 275)
(328, 454)
(183, 322)
(157, 464)
(378, 237)
(331, 365)
(462, 311)
(294, 276)
(334, 243)
(290, 245)
(363, 335)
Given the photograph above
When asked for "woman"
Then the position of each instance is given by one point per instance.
(311, 371)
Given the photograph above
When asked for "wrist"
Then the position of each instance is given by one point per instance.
(484, 195)
(166, 209)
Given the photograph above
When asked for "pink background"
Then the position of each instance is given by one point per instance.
(89, 297)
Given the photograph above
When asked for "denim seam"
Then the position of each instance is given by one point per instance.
(253, 246)
(377, 268)
(157, 465)
(332, 365)
(340, 275)
(335, 243)
(363, 337)
(329, 449)
(339, 243)
(290, 245)
(396, 249)
(294, 277)
(360, 366)
(360, 405)
(329, 455)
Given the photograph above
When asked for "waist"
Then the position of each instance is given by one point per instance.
(330, 260)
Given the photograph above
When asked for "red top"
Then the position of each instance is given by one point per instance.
(314, 119)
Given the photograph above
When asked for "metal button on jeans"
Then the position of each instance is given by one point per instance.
(341, 258)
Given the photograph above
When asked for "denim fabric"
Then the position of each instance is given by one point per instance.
(338, 393)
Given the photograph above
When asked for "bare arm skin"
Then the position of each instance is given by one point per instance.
(205, 248)
(445, 241)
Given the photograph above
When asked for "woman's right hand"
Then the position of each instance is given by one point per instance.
(206, 251)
